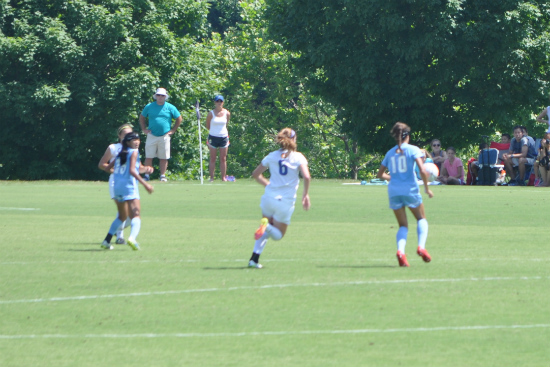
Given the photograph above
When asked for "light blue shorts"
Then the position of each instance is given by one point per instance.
(412, 201)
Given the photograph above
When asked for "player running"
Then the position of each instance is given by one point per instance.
(403, 190)
(127, 167)
(110, 154)
(277, 204)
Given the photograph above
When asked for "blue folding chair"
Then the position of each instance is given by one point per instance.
(489, 170)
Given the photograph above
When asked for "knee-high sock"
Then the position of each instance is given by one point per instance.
(274, 232)
(422, 231)
(136, 226)
(120, 231)
(117, 223)
(260, 243)
(402, 238)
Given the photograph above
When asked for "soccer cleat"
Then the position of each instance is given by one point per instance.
(261, 230)
(133, 244)
(253, 264)
(163, 178)
(120, 241)
(402, 258)
(424, 254)
(106, 246)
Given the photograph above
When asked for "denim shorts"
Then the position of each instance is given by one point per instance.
(218, 142)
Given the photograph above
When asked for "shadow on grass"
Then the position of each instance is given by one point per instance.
(89, 250)
(357, 266)
(226, 268)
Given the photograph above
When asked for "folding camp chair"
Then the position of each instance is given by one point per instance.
(489, 170)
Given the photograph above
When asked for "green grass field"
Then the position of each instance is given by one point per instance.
(330, 293)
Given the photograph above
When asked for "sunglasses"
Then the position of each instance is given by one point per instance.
(218, 100)
(161, 95)
(436, 145)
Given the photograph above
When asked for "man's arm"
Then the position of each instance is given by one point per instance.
(143, 125)
(176, 125)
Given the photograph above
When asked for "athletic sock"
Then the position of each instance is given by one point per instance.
(115, 226)
(422, 231)
(120, 231)
(260, 243)
(274, 232)
(255, 257)
(136, 226)
(402, 238)
(108, 238)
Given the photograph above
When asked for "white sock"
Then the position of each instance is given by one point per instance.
(274, 232)
(422, 231)
(120, 231)
(402, 238)
(136, 226)
(260, 243)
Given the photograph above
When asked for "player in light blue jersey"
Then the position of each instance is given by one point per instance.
(403, 190)
(109, 156)
(285, 166)
(127, 167)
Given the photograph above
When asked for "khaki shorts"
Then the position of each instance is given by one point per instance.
(530, 161)
(157, 146)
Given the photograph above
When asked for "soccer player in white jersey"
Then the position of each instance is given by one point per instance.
(110, 154)
(127, 167)
(403, 190)
(277, 204)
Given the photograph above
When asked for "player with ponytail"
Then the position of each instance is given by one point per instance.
(277, 204)
(108, 157)
(126, 169)
(403, 190)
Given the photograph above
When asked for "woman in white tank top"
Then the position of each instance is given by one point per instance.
(218, 137)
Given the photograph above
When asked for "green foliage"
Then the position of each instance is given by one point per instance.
(224, 14)
(72, 71)
(265, 94)
(453, 70)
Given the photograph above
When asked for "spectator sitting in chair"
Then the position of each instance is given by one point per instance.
(438, 155)
(452, 170)
(504, 139)
(521, 153)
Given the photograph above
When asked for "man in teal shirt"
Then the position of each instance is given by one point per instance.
(159, 129)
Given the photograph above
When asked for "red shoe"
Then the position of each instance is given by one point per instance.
(424, 254)
(402, 258)
(260, 231)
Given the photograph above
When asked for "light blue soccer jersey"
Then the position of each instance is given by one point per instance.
(401, 167)
(126, 186)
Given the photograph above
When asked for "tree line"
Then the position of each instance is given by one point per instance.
(340, 72)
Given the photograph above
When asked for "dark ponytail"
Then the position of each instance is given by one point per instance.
(123, 155)
(399, 132)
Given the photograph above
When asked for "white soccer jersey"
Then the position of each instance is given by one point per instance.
(284, 168)
(115, 149)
